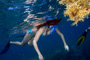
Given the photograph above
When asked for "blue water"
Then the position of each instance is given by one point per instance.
(51, 46)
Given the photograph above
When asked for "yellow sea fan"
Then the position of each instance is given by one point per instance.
(77, 10)
(66, 1)
(72, 11)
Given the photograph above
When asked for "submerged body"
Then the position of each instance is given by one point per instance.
(32, 35)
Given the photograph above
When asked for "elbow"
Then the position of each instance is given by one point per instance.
(61, 35)
(34, 42)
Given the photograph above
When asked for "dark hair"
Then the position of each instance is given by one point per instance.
(49, 23)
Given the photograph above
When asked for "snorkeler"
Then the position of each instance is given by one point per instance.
(33, 35)
(83, 36)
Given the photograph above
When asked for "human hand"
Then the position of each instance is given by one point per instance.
(41, 57)
(66, 47)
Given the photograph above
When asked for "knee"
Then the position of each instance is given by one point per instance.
(30, 44)
(22, 44)
(34, 42)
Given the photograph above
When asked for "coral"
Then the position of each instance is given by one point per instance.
(77, 10)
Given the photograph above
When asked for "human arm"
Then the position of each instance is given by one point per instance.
(63, 39)
(38, 34)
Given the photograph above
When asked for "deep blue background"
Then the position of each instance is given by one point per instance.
(51, 46)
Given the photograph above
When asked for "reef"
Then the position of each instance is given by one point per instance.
(77, 10)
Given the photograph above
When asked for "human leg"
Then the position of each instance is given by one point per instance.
(82, 38)
(30, 42)
(27, 37)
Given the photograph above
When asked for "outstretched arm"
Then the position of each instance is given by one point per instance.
(38, 34)
(63, 39)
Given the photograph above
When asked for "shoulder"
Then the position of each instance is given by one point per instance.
(41, 28)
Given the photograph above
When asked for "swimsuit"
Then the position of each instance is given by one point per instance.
(30, 31)
(52, 28)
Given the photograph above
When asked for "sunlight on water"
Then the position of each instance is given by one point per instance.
(34, 16)
(30, 1)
